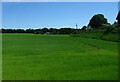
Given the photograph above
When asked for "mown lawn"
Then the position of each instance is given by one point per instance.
(58, 57)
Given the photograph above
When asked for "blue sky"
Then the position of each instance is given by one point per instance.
(54, 14)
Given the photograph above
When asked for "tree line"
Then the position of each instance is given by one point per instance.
(42, 31)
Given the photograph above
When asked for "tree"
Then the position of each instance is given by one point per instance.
(118, 17)
(44, 30)
(53, 30)
(115, 23)
(29, 30)
(109, 29)
(97, 21)
(65, 31)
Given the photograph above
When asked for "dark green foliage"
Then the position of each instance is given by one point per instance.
(44, 30)
(118, 17)
(109, 29)
(84, 28)
(14, 30)
(109, 33)
(41, 31)
(115, 23)
(65, 31)
(53, 30)
(97, 21)
(28, 31)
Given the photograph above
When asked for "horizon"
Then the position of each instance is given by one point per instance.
(54, 14)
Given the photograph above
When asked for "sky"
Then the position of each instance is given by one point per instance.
(54, 14)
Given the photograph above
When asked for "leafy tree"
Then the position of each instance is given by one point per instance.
(84, 28)
(29, 31)
(44, 30)
(40, 31)
(118, 17)
(97, 21)
(65, 31)
(53, 30)
(109, 29)
(115, 23)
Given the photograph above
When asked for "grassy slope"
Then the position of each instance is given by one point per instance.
(46, 57)
(109, 33)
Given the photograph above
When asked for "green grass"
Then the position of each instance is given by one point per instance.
(58, 57)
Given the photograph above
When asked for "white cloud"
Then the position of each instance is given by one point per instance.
(60, 0)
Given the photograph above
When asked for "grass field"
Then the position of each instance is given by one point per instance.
(58, 57)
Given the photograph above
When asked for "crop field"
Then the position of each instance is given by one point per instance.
(58, 57)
